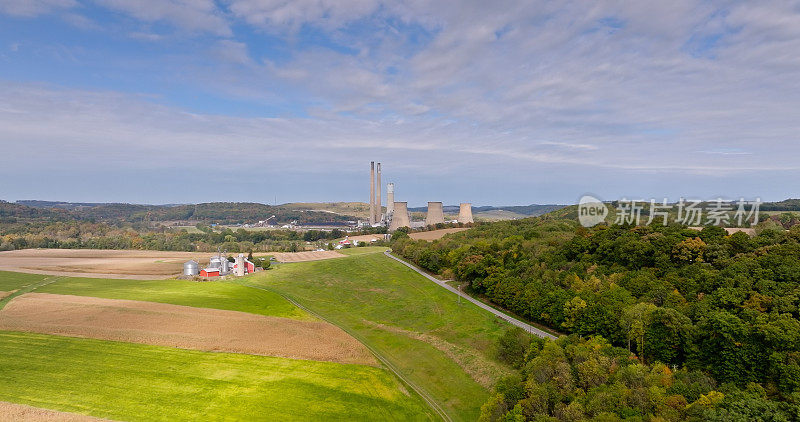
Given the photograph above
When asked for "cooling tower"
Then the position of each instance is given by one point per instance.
(371, 192)
(378, 202)
(465, 213)
(400, 218)
(435, 214)
(389, 199)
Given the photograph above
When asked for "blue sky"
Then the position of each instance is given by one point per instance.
(513, 102)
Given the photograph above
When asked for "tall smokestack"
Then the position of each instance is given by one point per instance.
(389, 199)
(371, 192)
(378, 202)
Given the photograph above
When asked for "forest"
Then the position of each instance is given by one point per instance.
(657, 306)
(72, 234)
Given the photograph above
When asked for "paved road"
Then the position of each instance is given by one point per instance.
(511, 320)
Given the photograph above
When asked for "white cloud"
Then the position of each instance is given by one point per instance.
(684, 87)
(31, 8)
(190, 15)
(276, 14)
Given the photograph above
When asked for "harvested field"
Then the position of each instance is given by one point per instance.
(305, 256)
(128, 264)
(369, 238)
(435, 234)
(181, 326)
(4, 294)
(24, 413)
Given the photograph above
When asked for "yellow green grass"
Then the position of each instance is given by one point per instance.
(13, 281)
(149, 383)
(421, 329)
(211, 294)
(362, 250)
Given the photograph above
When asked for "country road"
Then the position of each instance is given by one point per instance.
(527, 327)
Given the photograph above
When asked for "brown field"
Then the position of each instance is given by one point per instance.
(367, 238)
(435, 234)
(4, 294)
(181, 326)
(24, 413)
(305, 256)
(98, 263)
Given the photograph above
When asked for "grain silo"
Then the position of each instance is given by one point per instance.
(191, 268)
(400, 217)
(435, 214)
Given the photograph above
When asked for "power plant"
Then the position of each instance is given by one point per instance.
(397, 212)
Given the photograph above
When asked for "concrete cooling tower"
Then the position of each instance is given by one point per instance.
(465, 213)
(400, 218)
(435, 214)
(389, 199)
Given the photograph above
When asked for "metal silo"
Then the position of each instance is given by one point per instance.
(191, 268)
(225, 267)
(215, 262)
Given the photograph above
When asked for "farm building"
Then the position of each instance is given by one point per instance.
(220, 266)
(209, 272)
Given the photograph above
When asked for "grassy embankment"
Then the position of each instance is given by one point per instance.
(438, 344)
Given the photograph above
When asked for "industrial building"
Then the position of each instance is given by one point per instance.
(397, 214)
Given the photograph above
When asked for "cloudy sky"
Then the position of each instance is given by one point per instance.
(502, 102)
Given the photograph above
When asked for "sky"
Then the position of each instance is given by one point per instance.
(494, 103)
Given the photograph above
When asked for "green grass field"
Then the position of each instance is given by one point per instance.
(13, 281)
(387, 306)
(362, 250)
(138, 382)
(210, 294)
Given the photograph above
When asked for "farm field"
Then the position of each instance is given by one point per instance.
(305, 256)
(182, 326)
(209, 294)
(362, 250)
(438, 344)
(130, 264)
(13, 281)
(435, 234)
(126, 381)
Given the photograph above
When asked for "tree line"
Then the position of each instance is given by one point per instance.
(702, 302)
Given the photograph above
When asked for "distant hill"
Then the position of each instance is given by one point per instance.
(492, 213)
(214, 212)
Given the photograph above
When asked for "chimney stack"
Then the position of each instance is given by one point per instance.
(372, 192)
(378, 202)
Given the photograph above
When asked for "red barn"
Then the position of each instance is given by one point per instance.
(249, 267)
(209, 272)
